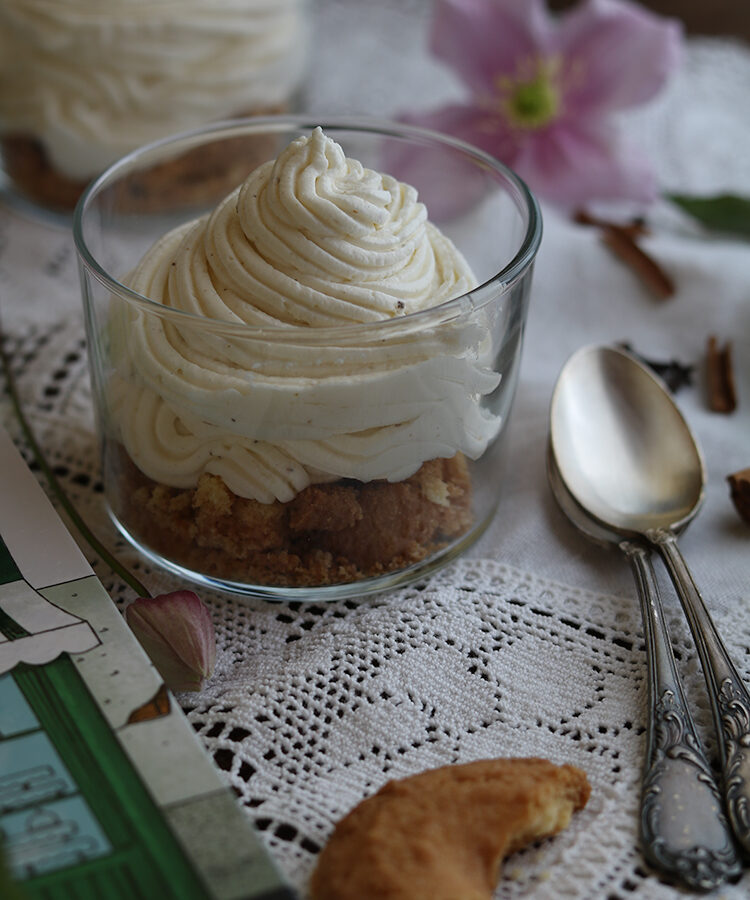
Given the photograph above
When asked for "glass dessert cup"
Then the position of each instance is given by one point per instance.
(374, 451)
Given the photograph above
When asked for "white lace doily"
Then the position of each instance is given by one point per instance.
(312, 707)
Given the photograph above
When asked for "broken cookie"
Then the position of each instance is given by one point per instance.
(443, 834)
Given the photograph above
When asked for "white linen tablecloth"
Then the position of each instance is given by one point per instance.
(531, 644)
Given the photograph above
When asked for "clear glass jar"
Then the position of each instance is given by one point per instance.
(83, 82)
(375, 448)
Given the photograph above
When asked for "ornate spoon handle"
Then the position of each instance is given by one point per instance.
(683, 827)
(730, 700)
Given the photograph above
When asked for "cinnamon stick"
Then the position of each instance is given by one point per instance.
(645, 267)
(634, 228)
(722, 395)
(739, 491)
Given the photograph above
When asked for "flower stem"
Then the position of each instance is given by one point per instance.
(55, 485)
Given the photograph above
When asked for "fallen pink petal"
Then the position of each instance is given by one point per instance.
(177, 633)
(544, 90)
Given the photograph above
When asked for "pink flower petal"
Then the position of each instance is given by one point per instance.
(575, 164)
(475, 125)
(616, 54)
(481, 40)
(447, 185)
(568, 164)
(177, 633)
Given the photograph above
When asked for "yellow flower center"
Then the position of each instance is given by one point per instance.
(531, 98)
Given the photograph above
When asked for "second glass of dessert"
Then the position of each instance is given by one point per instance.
(302, 386)
(83, 82)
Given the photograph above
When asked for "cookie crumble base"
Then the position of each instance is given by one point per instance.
(200, 176)
(332, 533)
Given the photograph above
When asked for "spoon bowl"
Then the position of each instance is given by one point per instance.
(627, 456)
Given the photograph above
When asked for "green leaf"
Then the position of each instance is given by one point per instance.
(722, 212)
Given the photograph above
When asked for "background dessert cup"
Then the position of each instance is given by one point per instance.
(83, 82)
(320, 444)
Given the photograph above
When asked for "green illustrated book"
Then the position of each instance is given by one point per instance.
(105, 791)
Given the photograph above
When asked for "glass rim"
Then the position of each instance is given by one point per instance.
(227, 128)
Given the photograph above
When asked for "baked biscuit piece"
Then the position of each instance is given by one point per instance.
(443, 834)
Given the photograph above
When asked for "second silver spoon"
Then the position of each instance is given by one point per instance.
(683, 828)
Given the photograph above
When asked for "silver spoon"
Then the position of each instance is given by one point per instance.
(683, 828)
(628, 457)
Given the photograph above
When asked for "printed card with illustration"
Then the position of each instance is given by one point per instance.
(104, 788)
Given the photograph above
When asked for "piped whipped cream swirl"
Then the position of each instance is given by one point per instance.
(308, 243)
(93, 79)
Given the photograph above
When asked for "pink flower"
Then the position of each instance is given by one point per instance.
(544, 90)
(177, 633)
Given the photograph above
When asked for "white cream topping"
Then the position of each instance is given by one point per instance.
(93, 79)
(312, 240)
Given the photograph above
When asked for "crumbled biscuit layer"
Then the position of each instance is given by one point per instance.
(442, 834)
(328, 534)
(200, 177)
